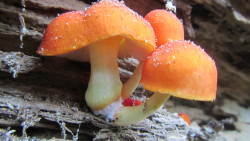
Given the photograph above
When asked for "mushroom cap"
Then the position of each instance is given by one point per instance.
(182, 69)
(185, 118)
(78, 29)
(166, 26)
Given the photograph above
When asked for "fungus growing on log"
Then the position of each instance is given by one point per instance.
(131, 102)
(177, 67)
(105, 31)
(185, 118)
(108, 30)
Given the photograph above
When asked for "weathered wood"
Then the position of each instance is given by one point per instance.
(51, 97)
(52, 93)
(29, 18)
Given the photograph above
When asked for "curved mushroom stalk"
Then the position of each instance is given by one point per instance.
(131, 115)
(104, 86)
(130, 86)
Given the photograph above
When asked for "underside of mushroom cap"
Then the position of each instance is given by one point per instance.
(182, 69)
(74, 30)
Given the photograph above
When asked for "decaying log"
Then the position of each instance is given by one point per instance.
(44, 97)
(54, 100)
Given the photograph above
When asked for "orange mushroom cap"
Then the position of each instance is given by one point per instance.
(182, 69)
(166, 26)
(131, 102)
(185, 118)
(107, 18)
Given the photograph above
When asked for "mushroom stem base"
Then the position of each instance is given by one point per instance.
(131, 115)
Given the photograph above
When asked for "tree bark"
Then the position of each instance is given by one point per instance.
(44, 97)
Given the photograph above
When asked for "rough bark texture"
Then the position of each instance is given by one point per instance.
(45, 95)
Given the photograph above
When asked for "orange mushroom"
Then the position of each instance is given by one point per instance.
(185, 118)
(103, 32)
(131, 102)
(178, 68)
(109, 29)
(166, 25)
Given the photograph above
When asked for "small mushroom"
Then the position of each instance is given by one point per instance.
(105, 31)
(185, 118)
(178, 68)
(131, 102)
(166, 25)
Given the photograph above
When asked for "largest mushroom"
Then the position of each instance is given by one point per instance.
(103, 32)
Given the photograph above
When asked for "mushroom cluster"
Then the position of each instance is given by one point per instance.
(169, 65)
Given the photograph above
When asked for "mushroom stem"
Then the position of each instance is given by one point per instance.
(130, 86)
(131, 115)
(104, 85)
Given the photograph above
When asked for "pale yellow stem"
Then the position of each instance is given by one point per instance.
(104, 85)
(131, 115)
(130, 86)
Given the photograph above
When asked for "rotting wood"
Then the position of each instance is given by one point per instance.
(227, 43)
(54, 100)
